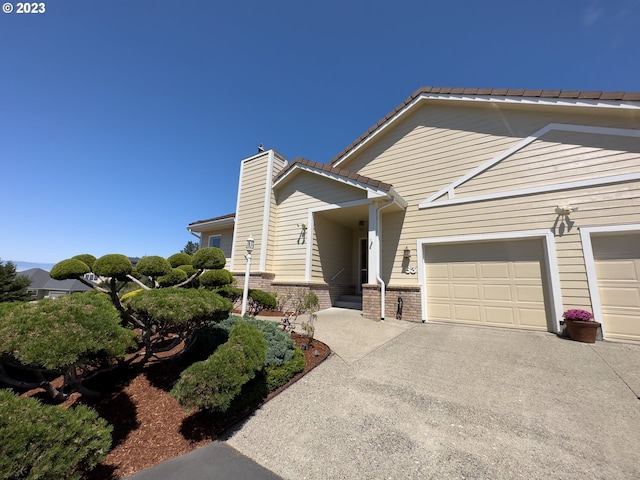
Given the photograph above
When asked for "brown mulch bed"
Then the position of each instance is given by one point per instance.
(148, 424)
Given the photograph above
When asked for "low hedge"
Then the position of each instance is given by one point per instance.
(46, 442)
(214, 383)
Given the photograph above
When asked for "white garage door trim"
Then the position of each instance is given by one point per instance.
(550, 259)
(590, 264)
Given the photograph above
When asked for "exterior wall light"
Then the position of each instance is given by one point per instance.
(407, 253)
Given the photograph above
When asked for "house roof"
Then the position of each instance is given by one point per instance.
(487, 93)
(214, 219)
(40, 280)
(339, 172)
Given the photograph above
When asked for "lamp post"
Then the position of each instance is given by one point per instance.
(245, 292)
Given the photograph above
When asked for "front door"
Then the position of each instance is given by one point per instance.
(364, 264)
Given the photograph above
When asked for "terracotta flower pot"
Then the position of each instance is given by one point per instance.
(582, 331)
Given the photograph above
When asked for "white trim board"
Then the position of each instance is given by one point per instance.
(590, 264)
(550, 257)
(449, 190)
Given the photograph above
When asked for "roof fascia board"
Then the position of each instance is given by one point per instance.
(372, 192)
(199, 227)
(490, 99)
(449, 190)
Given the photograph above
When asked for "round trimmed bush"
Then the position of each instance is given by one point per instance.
(209, 258)
(230, 292)
(86, 258)
(216, 278)
(178, 259)
(174, 277)
(179, 306)
(153, 266)
(261, 300)
(70, 268)
(189, 269)
(48, 442)
(112, 265)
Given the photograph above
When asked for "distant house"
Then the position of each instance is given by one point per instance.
(43, 286)
(494, 207)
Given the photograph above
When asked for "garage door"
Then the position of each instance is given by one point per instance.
(490, 283)
(617, 260)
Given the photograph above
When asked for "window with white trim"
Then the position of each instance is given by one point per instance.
(214, 241)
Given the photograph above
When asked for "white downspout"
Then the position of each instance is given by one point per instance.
(383, 287)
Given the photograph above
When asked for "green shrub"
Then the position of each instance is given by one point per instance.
(47, 442)
(57, 333)
(188, 269)
(174, 277)
(176, 306)
(280, 346)
(153, 266)
(209, 258)
(216, 278)
(178, 259)
(214, 383)
(278, 375)
(230, 292)
(112, 265)
(260, 300)
(86, 258)
(70, 268)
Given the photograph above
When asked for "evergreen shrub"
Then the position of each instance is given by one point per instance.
(47, 442)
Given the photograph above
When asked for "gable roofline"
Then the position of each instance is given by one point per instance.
(576, 98)
(374, 187)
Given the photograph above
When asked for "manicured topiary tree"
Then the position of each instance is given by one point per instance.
(71, 337)
(47, 442)
(151, 273)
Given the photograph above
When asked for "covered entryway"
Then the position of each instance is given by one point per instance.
(617, 265)
(499, 283)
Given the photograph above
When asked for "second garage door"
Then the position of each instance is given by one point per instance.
(496, 283)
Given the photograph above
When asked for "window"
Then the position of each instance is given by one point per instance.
(214, 241)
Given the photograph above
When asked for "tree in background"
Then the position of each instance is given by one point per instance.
(13, 287)
(190, 248)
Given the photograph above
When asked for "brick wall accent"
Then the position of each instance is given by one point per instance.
(412, 305)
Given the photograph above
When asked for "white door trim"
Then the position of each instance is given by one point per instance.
(550, 258)
(590, 264)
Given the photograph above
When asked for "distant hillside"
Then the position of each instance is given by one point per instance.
(21, 266)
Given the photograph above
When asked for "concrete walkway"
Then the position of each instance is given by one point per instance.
(400, 400)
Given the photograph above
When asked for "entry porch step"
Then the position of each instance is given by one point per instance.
(353, 302)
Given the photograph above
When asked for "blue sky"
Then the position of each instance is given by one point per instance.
(123, 121)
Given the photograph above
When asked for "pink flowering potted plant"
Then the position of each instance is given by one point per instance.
(581, 325)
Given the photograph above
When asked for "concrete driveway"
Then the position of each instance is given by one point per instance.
(404, 400)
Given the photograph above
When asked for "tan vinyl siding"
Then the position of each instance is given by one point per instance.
(558, 157)
(278, 165)
(295, 199)
(597, 206)
(226, 239)
(440, 142)
(335, 241)
(249, 217)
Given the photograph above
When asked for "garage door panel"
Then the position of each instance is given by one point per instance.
(617, 265)
(464, 270)
(526, 270)
(620, 297)
(495, 271)
(617, 270)
(499, 315)
(491, 283)
(529, 293)
(465, 292)
(497, 293)
(468, 313)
